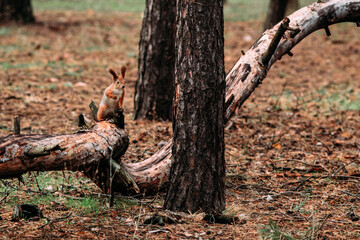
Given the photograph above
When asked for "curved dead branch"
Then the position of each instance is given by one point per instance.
(248, 72)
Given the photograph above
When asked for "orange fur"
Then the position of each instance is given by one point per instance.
(121, 99)
(109, 93)
(113, 96)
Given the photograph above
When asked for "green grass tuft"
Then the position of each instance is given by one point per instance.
(234, 10)
(5, 31)
(88, 204)
(273, 232)
(83, 5)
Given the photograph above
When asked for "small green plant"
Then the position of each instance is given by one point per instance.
(10, 48)
(8, 65)
(5, 31)
(301, 204)
(310, 232)
(52, 86)
(72, 74)
(124, 203)
(88, 204)
(44, 199)
(273, 232)
(56, 64)
(68, 84)
(5, 190)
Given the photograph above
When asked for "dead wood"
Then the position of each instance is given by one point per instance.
(88, 151)
(91, 151)
(249, 71)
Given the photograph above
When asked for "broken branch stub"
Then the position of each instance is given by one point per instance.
(275, 41)
(17, 128)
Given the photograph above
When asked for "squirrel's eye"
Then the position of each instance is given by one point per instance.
(117, 82)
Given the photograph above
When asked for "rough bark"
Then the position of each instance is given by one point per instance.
(152, 174)
(276, 13)
(154, 86)
(16, 10)
(197, 178)
(88, 151)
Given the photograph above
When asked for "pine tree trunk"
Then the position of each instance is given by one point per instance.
(16, 10)
(154, 86)
(275, 13)
(197, 175)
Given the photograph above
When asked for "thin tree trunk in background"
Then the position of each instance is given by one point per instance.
(197, 175)
(275, 13)
(154, 86)
(292, 6)
(16, 10)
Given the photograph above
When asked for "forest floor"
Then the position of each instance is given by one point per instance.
(292, 150)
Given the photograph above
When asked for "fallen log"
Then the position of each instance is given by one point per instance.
(94, 150)
(88, 151)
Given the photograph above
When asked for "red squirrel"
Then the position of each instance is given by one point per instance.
(113, 97)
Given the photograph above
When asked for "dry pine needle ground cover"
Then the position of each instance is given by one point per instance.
(292, 150)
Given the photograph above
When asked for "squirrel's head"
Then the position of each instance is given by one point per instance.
(119, 81)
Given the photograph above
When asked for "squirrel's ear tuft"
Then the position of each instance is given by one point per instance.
(113, 73)
(123, 70)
